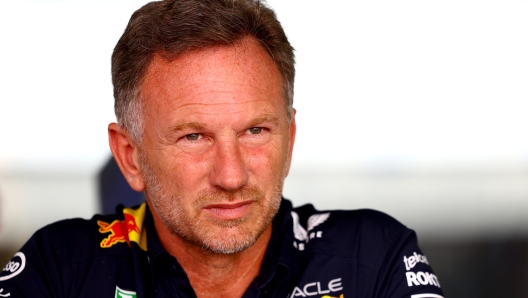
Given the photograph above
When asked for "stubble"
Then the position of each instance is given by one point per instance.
(210, 234)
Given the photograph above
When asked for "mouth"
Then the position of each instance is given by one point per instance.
(229, 211)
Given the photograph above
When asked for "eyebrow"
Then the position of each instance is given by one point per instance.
(191, 125)
(274, 119)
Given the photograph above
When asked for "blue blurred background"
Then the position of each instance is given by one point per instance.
(414, 108)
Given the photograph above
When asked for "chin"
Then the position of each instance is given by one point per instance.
(225, 237)
(227, 243)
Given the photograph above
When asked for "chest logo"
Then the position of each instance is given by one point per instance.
(120, 293)
(318, 289)
(305, 235)
(118, 229)
(125, 231)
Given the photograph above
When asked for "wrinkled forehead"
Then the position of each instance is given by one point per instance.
(239, 80)
(241, 67)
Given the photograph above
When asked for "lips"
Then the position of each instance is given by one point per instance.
(229, 211)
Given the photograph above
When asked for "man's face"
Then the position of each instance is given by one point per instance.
(217, 144)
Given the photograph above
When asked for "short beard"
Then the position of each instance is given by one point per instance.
(236, 237)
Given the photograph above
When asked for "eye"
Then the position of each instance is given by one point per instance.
(255, 130)
(194, 143)
(193, 137)
(255, 136)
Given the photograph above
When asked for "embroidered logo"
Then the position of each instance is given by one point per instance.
(14, 267)
(318, 288)
(420, 277)
(125, 231)
(120, 293)
(304, 235)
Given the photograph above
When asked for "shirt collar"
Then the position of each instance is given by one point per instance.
(279, 261)
(161, 261)
(155, 250)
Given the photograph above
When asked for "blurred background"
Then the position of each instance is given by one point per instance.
(414, 108)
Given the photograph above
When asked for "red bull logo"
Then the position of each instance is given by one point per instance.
(125, 231)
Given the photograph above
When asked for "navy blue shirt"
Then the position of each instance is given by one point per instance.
(361, 253)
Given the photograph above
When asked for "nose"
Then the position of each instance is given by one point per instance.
(229, 169)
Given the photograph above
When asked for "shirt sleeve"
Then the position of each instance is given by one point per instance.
(409, 273)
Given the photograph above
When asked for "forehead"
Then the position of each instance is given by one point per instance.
(240, 72)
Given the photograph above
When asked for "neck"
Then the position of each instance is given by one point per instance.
(212, 274)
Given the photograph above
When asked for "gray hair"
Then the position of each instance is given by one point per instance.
(172, 28)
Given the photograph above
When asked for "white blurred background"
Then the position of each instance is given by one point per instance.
(415, 108)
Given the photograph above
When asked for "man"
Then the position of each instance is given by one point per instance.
(203, 96)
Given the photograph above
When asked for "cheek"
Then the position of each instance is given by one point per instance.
(268, 160)
(183, 172)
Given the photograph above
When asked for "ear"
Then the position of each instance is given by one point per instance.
(126, 154)
(293, 131)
